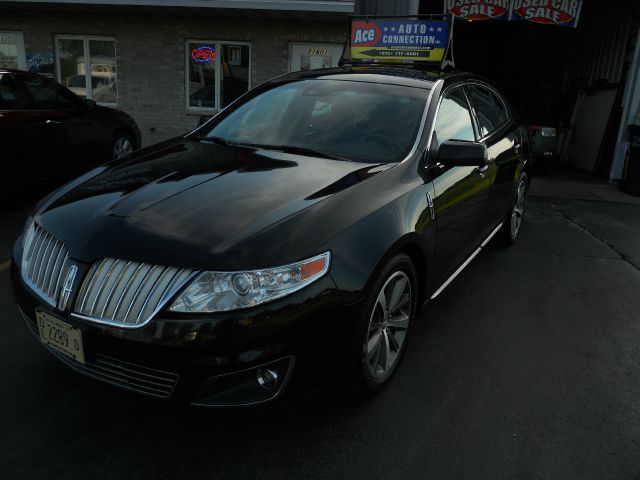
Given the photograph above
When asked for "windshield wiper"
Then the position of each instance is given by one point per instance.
(283, 148)
(218, 140)
(298, 150)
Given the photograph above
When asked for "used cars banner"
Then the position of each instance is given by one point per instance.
(548, 12)
(563, 13)
(478, 9)
(417, 39)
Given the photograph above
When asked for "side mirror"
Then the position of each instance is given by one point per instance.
(455, 153)
(204, 119)
(90, 104)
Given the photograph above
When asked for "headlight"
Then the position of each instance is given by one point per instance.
(223, 291)
(548, 132)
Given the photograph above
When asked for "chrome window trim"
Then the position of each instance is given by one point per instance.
(504, 105)
(161, 304)
(425, 114)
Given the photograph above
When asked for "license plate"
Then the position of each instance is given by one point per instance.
(60, 336)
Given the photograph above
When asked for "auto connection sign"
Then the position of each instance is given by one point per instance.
(421, 40)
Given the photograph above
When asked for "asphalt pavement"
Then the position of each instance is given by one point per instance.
(526, 367)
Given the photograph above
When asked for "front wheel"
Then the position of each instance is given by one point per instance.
(382, 331)
(513, 221)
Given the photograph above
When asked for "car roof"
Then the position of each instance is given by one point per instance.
(393, 75)
(22, 72)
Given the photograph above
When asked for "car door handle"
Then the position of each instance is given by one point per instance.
(53, 122)
(481, 170)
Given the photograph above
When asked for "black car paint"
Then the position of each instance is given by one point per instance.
(269, 208)
(45, 143)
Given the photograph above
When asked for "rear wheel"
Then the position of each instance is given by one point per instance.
(122, 145)
(515, 217)
(382, 331)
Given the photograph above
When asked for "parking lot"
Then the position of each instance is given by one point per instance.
(527, 366)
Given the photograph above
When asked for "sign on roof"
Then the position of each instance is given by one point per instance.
(399, 39)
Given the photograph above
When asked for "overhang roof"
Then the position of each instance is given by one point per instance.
(337, 6)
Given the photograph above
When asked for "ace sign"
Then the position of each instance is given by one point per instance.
(377, 39)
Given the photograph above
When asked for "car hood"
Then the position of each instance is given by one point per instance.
(186, 202)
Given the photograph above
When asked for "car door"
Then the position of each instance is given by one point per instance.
(77, 135)
(501, 135)
(461, 193)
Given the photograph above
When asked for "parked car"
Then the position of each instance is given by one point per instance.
(288, 241)
(545, 143)
(48, 132)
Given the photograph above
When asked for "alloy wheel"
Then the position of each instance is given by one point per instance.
(519, 205)
(388, 324)
(122, 147)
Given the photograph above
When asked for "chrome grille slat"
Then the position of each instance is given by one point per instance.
(43, 261)
(156, 286)
(137, 292)
(48, 278)
(105, 279)
(126, 293)
(126, 289)
(113, 288)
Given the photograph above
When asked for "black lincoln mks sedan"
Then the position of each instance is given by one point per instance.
(289, 240)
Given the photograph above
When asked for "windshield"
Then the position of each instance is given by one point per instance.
(358, 121)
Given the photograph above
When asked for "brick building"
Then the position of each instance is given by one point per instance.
(167, 62)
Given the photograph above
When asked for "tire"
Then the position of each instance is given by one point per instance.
(515, 216)
(373, 362)
(122, 145)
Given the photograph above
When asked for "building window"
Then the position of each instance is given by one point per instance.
(87, 66)
(12, 50)
(217, 73)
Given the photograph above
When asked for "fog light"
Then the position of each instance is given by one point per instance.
(267, 378)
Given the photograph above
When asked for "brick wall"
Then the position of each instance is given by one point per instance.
(151, 54)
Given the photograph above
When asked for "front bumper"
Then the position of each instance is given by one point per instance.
(213, 360)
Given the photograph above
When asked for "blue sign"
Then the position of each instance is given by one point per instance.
(422, 40)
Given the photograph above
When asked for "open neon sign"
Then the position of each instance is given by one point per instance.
(203, 54)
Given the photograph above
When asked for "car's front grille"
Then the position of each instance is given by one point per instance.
(150, 381)
(127, 294)
(44, 263)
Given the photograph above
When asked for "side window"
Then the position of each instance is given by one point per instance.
(47, 93)
(490, 110)
(454, 118)
(12, 97)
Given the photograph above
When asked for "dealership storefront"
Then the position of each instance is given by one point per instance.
(168, 65)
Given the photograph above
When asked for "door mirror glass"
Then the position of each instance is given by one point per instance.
(454, 153)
